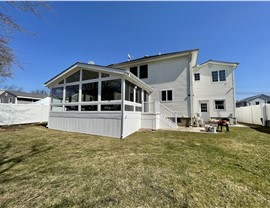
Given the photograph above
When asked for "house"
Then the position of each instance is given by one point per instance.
(7, 96)
(254, 100)
(152, 92)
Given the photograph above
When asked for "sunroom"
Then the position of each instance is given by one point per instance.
(97, 100)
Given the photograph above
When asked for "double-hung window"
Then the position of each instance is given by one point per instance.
(218, 76)
(166, 95)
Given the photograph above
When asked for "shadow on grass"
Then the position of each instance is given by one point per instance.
(259, 128)
(8, 161)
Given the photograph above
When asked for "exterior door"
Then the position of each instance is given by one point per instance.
(204, 108)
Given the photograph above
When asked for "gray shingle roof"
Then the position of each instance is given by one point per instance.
(25, 94)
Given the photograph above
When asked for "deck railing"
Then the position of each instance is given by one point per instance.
(155, 107)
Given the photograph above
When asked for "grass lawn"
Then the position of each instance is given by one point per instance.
(40, 167)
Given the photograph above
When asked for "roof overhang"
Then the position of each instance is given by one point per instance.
(222, 63)
(77, 66)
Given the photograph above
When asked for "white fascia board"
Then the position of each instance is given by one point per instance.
(135, 80)
(217, 63)
(33, 98)
(85, 66)
(126, 74)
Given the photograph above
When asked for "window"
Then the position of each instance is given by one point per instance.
(89, 108)
(90, 92)
(74, 77)
(143, 71)
(111, 90)
(222, 76)
(71, 108)
(129, 108)
(87, 75)
(145, 96)
(214, 76)
(57, 95)
(134, 70)
(219, 104)
(218, 76)
(72, 93)
(110, 107)
(56, 108)
(204, 107)
(268, 102)
(10, 100)
(129, 91)
(197, 76)
(104, 75)
(166, 95)
(138, 108)
(138, 95)
(257, 103)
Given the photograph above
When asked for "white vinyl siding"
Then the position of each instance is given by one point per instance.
(174, 73)
(211, 91)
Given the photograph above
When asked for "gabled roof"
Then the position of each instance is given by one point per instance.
(155, 57)
(25, 94)
(248, 99)
(210, 61)
(128, 75)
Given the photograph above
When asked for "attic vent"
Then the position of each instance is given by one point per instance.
(91, 62)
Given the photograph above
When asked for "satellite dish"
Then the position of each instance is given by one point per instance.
(129, 57)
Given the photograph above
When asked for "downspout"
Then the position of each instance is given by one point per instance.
(190, 88)
(234, 110)
(122, 107)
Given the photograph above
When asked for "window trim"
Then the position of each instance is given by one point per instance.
(166, 101)
(198, 73)
(224, 104)
(218, 76)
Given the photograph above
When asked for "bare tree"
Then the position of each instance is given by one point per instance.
(40, 92)
(9, 26)
(12, 88)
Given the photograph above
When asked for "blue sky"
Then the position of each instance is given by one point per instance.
(105, 32)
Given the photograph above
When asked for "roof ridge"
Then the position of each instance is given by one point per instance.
(153, 56)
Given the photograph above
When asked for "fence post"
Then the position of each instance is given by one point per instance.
(263, 112)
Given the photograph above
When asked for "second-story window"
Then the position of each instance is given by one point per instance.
(218, 76)
(222, 76)
(143, 72)
(134, 70)
(214, 76)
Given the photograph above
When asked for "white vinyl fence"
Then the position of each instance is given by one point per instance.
(254, 114)
(23, 113)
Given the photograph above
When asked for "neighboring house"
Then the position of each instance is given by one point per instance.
(160, 91)
(7, 96)
(254, 100)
